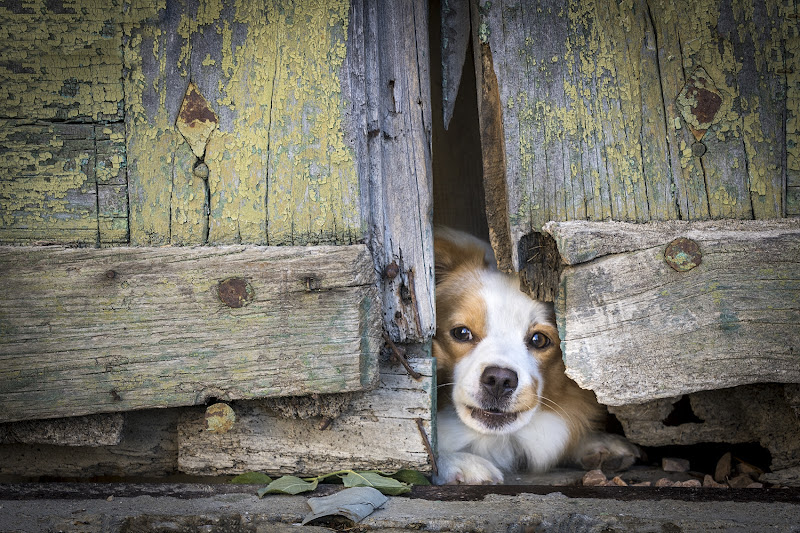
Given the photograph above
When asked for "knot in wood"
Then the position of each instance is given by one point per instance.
(235, 292)
(683, 254)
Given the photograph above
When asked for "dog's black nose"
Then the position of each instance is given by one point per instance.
(499, 382)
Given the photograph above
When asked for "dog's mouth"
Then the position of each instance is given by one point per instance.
(492, 419)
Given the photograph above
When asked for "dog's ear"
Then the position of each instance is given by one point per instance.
(454, 249)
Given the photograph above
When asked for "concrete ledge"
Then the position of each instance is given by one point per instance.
(218, 508)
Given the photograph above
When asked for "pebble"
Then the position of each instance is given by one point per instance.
(672, 464)
(709, 482)
(741, 481)
(594, 478)
(723, 470)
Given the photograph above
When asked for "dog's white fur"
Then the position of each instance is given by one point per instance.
(546, 418)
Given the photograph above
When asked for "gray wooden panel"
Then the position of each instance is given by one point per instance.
(602, 117)
(378, 429)
(633, 329)
(98, 330)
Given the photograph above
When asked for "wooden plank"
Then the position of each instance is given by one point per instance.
(633, 329)
(594, 125)
(62, 183)
(389, 87)
(378, 430)
(280, 169)
(90, 331)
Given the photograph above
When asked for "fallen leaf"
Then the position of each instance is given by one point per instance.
(288, 485)
(252, 478)
(384, 484)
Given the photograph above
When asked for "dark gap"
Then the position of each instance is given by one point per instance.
(682, 414)
(458, 194)
(704, 457)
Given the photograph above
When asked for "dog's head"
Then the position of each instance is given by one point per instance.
(497, 347)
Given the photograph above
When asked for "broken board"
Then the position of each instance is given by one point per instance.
(634, 329)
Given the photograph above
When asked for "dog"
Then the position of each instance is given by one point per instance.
(505, 403)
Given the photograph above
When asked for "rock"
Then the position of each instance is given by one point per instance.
(723, 470)
(741, 481)
(750, 470)
(763, 413)
(664, 482)
(594, 478)
(689, 483)
(617, 481)
(755, 485)
(672, 464)
(709, 482)
(789, 477)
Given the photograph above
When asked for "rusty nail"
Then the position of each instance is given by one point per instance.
(399, 356)
(219, 418)
(428, 448)
(392, 270)
(110, 274)
(235, 292)
(698, 149)
(683, 254)
(201, 171)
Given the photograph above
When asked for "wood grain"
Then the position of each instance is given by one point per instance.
(378, 429)
(633, 329)
(99, 330)
(592, 121)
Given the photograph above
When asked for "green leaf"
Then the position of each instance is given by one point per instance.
(410, 477)
(288, 485)
(252, 478)
(384, 484)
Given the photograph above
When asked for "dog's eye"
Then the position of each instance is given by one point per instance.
(539, 341)
(461, 334)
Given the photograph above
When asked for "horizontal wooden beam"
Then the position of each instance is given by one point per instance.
(634, 328)
(100, 330)
(376, 429)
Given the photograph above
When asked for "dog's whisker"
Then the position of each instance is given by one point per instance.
(445, 385)
(555, 405)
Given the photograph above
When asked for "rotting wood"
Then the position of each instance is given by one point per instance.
(379, 428)
(633, 329)
(89, 331)
(592, 95)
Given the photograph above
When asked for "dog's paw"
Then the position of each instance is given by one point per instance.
(608, 452)
(466, 468)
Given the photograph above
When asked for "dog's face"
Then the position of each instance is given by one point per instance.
(497, 347)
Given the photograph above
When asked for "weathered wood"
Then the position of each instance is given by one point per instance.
(62, 182)
(377, 430)
(280, 171)
(88, 331)
(389, 85)
(148, 447)
(61, 62)
(596, 119)
(633, 329)
(92, 430)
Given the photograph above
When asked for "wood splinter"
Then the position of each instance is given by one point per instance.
(427, 442)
